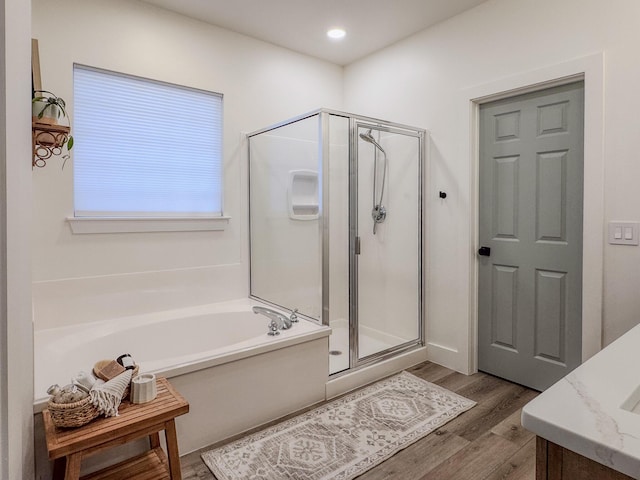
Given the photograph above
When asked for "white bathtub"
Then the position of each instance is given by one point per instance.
(218, 356)
(168, 343)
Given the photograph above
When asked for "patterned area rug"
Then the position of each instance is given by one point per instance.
(343, 438)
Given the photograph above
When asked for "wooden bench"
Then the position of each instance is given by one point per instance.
(68, 446)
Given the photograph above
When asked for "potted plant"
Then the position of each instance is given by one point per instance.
(47, 108)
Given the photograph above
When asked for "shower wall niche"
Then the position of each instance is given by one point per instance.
(336, 229)
(302, 195)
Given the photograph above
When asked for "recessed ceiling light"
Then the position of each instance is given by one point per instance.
(336, 33)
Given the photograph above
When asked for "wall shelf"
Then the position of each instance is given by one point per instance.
(47, 141)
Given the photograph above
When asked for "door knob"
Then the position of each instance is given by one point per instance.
(484, 251)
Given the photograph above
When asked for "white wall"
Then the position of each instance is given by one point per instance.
(16, 338)
(87, 277)
(421, 80)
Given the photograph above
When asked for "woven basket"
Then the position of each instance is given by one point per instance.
(73, 414)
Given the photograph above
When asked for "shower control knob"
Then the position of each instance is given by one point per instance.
(379, 213)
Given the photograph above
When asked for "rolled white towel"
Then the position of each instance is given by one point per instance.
(106, 396)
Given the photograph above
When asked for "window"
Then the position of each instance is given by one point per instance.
(145, 148)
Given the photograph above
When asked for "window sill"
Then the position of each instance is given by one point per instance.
(83, 225)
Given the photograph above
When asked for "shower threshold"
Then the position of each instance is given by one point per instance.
(369, 344)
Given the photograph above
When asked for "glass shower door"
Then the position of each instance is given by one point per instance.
(386, 240)
(284, 220)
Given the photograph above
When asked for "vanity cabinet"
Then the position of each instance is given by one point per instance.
(588, 423)
(554, 462)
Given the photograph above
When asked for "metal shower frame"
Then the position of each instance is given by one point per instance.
(355, 122)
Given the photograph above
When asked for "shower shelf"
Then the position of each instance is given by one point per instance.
(305, 209)
(303, 195)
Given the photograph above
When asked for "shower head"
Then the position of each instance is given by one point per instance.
(367, 137)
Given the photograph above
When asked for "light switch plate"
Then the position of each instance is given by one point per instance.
(623, 233)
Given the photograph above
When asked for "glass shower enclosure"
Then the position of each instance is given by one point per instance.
(336, 230)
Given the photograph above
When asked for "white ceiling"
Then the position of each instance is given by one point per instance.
(301, 25)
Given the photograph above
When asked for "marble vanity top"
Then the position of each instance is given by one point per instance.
(591, 410)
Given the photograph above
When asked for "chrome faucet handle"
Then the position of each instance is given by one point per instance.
(293, 317)
(273, 328)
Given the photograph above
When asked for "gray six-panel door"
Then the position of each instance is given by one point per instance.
(530, 223)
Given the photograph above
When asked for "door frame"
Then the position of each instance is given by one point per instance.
(591, 70)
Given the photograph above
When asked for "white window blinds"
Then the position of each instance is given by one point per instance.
(145, 148)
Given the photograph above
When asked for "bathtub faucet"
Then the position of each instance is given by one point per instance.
(278, 320)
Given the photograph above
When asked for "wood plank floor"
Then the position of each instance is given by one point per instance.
(484, 443)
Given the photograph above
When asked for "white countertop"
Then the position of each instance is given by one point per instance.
(584, 411)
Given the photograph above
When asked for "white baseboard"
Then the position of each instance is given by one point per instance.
(447, 357)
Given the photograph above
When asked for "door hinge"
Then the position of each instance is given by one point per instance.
(357, 246)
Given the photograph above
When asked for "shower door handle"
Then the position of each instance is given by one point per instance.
(357, 246)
